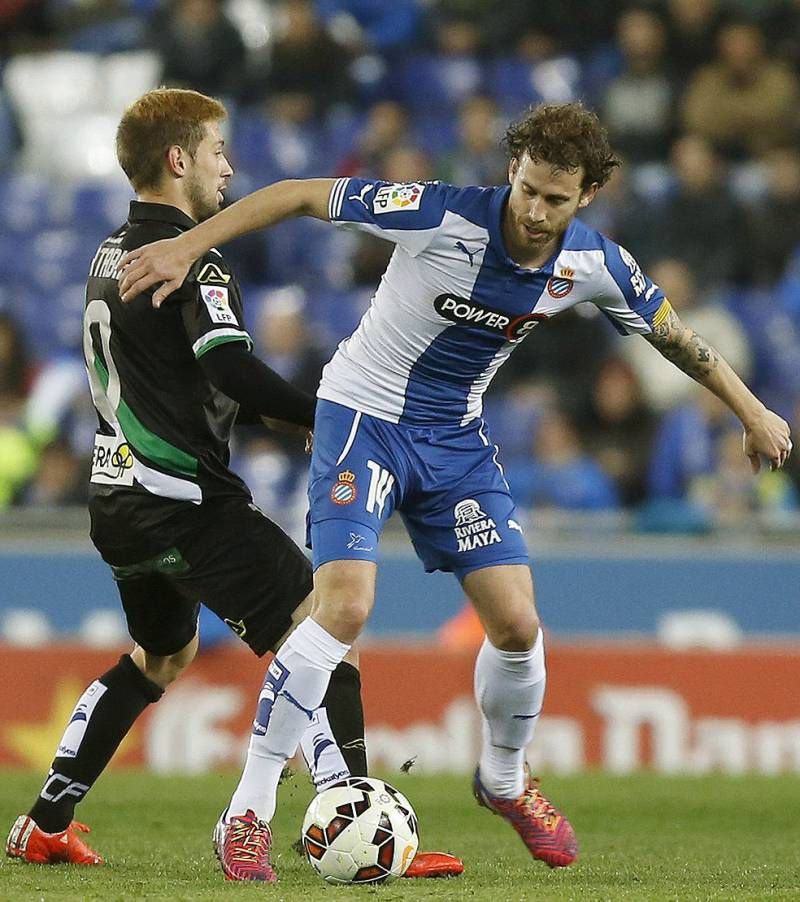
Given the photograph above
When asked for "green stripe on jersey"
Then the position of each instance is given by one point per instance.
(221, 340)
(148, 443)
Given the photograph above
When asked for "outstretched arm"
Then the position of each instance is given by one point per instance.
(168, 261)
(765, 433)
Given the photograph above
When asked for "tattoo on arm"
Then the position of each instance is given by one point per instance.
(684, 347)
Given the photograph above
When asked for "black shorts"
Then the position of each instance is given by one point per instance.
(224, 553)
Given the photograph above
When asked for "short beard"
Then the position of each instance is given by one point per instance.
(202, 208)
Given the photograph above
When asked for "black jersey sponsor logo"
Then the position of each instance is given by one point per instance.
(211, 274)
(464, 312)
(112, 460)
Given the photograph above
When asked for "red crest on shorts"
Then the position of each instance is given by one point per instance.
(343, 490)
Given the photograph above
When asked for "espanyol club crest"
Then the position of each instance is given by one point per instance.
(558, 287)
(343, 490)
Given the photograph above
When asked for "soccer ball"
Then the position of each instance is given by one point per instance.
(360, 830)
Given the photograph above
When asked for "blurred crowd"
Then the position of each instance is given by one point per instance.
(702, 99)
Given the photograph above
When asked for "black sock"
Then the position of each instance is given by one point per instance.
(346, 717)
(104, 714)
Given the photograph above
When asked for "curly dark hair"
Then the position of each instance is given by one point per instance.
(566, 136)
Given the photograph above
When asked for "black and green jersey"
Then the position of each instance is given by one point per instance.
(163, 428)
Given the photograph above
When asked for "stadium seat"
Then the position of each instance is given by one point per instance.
(337, 313)
(513, 424)
(437, 135)
(27, 203)
(99, 207)
(427, 83)
(296, 251)
(56, 83)
(61, 256)
(515, 83)
(89, 152)
(269, 151)
(126, 76)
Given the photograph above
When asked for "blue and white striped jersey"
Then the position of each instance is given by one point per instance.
(452, 305)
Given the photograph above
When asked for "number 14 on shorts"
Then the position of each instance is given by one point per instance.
(381, 483)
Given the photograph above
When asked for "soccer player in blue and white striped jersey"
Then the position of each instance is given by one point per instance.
(398, 422)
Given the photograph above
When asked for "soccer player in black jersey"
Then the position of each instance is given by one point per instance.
(173, 522)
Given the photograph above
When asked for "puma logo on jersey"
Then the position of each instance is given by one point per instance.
(361, 195)
(459, 245)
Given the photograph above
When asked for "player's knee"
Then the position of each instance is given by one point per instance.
(352, 613)
(343, 617)
(165, 669)
(517, 632)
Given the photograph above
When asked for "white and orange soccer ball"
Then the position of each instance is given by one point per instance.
(360, 830)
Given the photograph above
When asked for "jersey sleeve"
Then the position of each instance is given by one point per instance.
(406, 213)
(211, 307)
(631, 300)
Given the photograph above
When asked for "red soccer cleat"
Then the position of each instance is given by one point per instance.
(434, 864)
(28, 842)
(547, 834)
(243, 845)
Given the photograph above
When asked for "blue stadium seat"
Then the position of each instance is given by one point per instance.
(437, 135)
(341, 134)
(336, 314)
(512, 423)
(435, 83)
(270, 151)
(296, 251)
(516, 83)
(99, 207)
(26, 203)
(61, 256)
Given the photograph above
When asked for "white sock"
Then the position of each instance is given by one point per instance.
(509, 689)
(322, 753)
(293, 689)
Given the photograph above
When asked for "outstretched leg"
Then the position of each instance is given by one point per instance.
(100, 721)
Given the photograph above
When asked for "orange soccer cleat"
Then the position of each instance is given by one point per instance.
(434, 864)
(243, 844)
(28, 842)
(547, 834)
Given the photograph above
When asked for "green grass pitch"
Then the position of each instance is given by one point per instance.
(644, 837)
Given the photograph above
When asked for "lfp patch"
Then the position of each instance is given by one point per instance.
(559, 287)
(343, 491)
(392, 198)
(218, 304)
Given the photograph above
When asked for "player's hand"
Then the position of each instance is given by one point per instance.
(162, 261)
(767, 436)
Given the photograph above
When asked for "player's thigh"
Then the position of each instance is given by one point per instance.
(355, 483)
(343, 597)
(161, 619)
(503, 598)
(246, 570)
